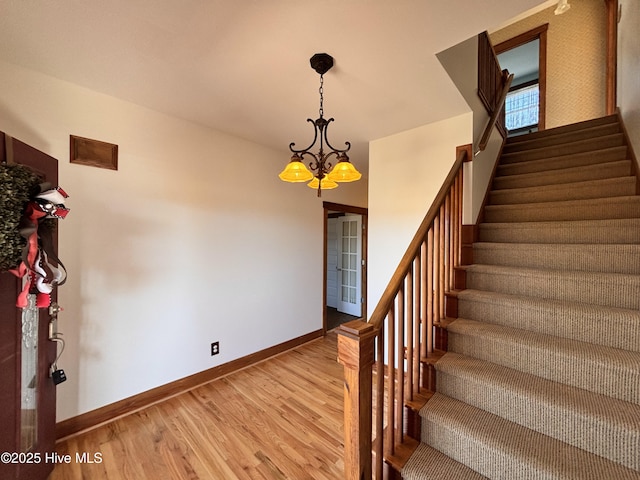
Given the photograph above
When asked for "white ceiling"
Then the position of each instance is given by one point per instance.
(242, 66)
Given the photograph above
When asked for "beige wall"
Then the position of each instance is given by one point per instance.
(406, 172)
(173, 251)
(576, 59)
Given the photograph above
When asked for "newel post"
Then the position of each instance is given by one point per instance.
(355, 353)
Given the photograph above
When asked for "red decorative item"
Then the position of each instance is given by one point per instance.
(41, 275)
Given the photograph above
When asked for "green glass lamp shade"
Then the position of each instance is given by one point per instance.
(295, 171)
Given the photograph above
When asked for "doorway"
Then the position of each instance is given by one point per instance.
(345, 259)
(526, 57)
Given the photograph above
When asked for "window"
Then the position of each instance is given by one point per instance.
(521, 107)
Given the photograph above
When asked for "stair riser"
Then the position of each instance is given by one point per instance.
(564, 129)
(586, 210)
(622, 291)
(564, 149)
(587, 258)
(599, 326)
(547, 414)
(562, 233)
(608, 188)
(569, 175)
(578, 370)
(559, 139)
(567, 161)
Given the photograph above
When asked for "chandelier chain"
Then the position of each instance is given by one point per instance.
(321, 90)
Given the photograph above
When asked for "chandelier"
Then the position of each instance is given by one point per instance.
(324, 177)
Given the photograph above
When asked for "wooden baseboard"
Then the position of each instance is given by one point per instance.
(108, 413)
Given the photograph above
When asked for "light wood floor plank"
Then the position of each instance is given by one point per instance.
(280, 419)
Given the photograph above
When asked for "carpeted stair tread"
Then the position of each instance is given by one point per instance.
(565, 161)
(562, 129)
(593, 422)
(500, 449)
(427, 463)
(607, 141)
(598, 369)
(597, 257)
(606, 326)
(620, 230)
(588, 209)
(608, 187)
(619, 168)
(560, 138)
(607, 289)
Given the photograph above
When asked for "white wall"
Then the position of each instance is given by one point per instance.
(628, 68)
(170, 252)
(406, 172)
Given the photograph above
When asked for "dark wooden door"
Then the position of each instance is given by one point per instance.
(27, 393)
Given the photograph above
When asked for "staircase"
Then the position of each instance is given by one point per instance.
(542, 375)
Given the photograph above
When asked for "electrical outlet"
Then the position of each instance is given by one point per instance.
(215, 348)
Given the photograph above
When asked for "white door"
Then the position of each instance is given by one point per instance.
(350, 265)
(332, 262)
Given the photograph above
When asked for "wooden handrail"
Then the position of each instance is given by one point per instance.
(484, 140)
(406, 333)
(401, 333)
(389, 294)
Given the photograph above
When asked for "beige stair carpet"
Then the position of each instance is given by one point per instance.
(542, 375)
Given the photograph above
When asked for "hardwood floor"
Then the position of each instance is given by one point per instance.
(336, 318)
(279, 419)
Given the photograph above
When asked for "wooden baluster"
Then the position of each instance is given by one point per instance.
(431, 269)
(379, 404)
(355, 353)
(460, 210)
(424, 292)
(417, 321)
(400, 366)
(391, 380)
(436, 269)
(410, 332)
(454, 233)
(445, 243)
(441, 262)
(456, 252)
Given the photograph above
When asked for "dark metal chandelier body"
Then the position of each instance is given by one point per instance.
(323, 177)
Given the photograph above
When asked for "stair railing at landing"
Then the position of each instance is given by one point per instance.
(493, 87)
(400, 340)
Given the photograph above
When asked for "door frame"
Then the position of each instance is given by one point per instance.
(538, 33)
(613, 12)
(338, 207)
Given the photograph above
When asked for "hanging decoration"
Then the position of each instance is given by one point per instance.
(29, 213)
(17, 185)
